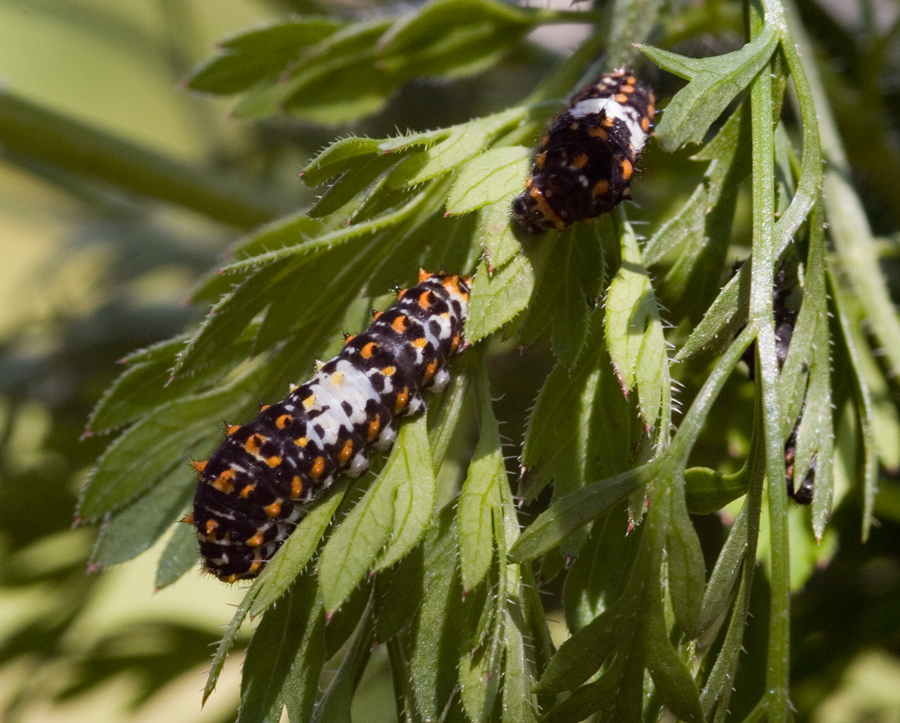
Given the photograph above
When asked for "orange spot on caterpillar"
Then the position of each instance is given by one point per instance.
(318, 468)
(430, 370)
(399, 324)
(231, 429)
(254, 443)
(374, 427)
(247, 490)
(199, 466)
(273, 461)
(283, 421)
(256, 540)
(367, 351)
(296, 488)
(346, 452)
(402, 400)
(274, 509)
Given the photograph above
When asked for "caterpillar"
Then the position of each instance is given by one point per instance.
(251, 490)
(584, 163)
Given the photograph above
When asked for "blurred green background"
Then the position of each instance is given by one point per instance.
(92, 271)
(89, 274)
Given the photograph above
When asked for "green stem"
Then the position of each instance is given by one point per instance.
(45, 136)
(761, 315)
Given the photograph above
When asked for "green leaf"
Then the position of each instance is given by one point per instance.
(715, 83)
(180, 556)
(152, 448)
(233, 313)
(147, 385)
(126, 533)
(434, 639)
(488, 178)
(565, 516)
(519, 705)
(854, 344)
(464, 143)
(284, 659)
(341, 156)
(481, 649)
(581, 260)
(497, 298)
(454, 38)
(288, 231)
(397, 606)
(634, 336)
(357, 543)
(687, 571)
(674, 684)
(498, 232)
(415, 494)
(335, 81)
(581, 655)
(725, 573)
(336, 702)
(479, 500)
(697, 239)
(166, 438)
(356, 179)
(580, 427)
(600, 571)
(297, 551)
(260, 54)
(434, 20)
(446, 411)
(227, 641)
(723, 319)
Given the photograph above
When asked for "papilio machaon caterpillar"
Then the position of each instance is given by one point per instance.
(251, 490)
(584, 163)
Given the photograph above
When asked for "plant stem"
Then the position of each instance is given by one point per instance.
(46, 136)
(761, 315)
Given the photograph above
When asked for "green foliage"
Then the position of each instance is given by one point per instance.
(433, 563)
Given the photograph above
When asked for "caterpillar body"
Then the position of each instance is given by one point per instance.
(251, 490)
(585, 160)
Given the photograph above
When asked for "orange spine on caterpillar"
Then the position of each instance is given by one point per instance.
(252, 488)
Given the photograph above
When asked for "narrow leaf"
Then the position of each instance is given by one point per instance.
(716, 82)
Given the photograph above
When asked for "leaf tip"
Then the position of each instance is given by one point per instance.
(86, 434)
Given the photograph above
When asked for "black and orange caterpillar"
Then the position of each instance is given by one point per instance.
(252, 488)
(585, 160)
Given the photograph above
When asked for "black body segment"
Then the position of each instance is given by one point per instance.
(585, 161)
(252, 488)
